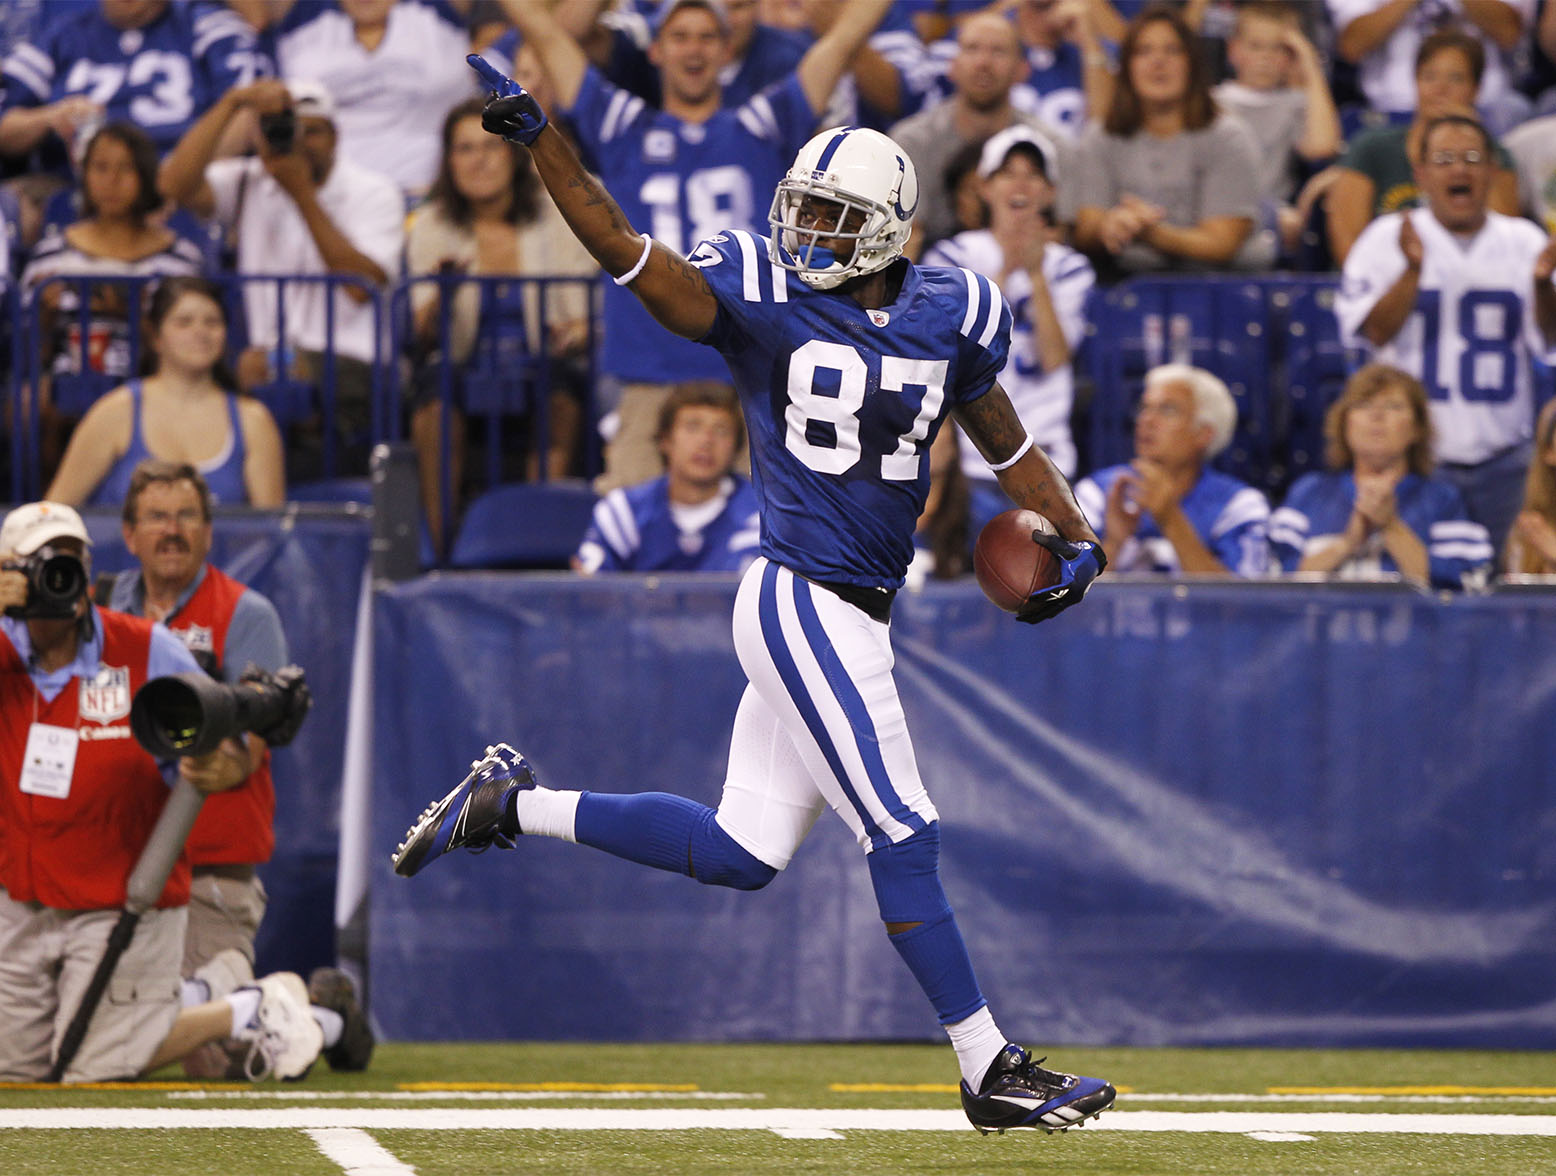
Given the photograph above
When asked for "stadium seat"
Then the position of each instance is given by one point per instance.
(523, 525)
(332, 490)
(1315, 366)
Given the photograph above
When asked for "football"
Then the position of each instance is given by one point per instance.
(1009, 566)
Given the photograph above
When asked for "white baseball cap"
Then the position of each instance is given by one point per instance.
(29, 527)
(999, 146)
(311, 98)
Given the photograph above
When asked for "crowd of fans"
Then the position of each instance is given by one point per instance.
(323, 161)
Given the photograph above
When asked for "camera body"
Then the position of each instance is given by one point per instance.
(56, 582)
(279, 130)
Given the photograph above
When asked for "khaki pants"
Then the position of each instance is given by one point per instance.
(47, 958)
(223, 913)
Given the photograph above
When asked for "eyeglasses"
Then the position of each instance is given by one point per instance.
(1449, 158)
(187, 517)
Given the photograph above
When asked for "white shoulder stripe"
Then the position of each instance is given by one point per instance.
(996, 311)
(780, 277)
(750, 275)
(614, 518)
(621, 109)
(1246, 506)
(751, 123)
(33, 68)
(762, 111)
(974, 293)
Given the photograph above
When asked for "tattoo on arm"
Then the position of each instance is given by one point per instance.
(997, 433)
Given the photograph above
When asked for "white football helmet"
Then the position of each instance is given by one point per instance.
(861, 170)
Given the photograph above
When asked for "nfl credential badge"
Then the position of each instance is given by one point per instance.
(197, 638)
(879, 317)
(107, 696)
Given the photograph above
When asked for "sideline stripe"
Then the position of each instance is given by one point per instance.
(359, 1153)
(1504, 1091)
(784, 1121)
(468, 1096)
(589, 1087)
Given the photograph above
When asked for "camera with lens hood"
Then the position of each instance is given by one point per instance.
(56, 582)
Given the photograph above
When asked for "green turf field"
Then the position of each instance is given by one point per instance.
(685, 1109)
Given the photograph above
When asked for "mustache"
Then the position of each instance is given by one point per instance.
(173, 543)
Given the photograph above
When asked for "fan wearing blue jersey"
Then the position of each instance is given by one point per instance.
(1167, 511)
(148, 62)
(847, 360)
(683, 172)
(698, 516)
(1377, 511)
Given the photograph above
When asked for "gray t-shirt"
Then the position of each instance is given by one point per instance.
(1276, 118)
(930, 139)
(1193, 175)
(1533, 148)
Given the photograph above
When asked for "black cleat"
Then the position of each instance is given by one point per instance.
(1018, 1092)
(469, 817)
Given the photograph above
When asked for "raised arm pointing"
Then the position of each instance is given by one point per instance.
(673, 291)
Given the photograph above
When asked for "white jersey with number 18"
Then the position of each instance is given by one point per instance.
(1472, 332)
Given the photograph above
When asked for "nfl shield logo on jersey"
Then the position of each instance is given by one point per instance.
(879, 317)
(107, 696)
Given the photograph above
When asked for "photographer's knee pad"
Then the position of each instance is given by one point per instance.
(717, 859)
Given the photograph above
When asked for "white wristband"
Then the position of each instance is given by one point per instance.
(648, 247)
(1014, 457)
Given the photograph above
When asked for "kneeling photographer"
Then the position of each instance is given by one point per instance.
(235, 634)
(78, 800)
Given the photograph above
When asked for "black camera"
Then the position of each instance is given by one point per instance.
(191, 713)
(279, 130)
(56, 581)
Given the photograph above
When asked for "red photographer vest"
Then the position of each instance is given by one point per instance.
(75, 852)
(235, 827)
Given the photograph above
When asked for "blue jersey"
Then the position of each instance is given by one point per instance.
(1319, 506)
(161, 77)
(637, 529)
(1230, 517)
(842, 403)
(681, 182)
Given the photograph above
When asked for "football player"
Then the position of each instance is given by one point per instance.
(847, 359)
(1460, 296)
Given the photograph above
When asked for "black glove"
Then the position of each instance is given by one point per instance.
(286, 693)
(1079, 564)
(511, 111)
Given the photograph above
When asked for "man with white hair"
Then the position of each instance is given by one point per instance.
(1167, 511)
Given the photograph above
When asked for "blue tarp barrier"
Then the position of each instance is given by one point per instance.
(1194, 814)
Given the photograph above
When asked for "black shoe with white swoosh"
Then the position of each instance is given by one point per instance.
(1018, 1092)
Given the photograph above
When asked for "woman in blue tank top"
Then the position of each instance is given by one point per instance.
(184, 411)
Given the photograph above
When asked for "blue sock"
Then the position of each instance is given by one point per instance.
(670, 833)
(906, 877)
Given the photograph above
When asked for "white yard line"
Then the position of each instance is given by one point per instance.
(358, 1153)
(347, 1096)
(782, 1121)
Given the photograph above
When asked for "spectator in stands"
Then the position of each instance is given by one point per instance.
(684, 172)
(147, 62)
(1047, 285)
(1460, 297)
(1377, 173)
(395, 67)
(699, 515)
(1068, 73)
(1382, 39)
(1533, 148)
(298, 210)
(185, 410)
(1281, 91)
(228, 628)
(116, 235)
(1167, 511)
(1531, 548)
(77, 813)
(1166, 181)
(1377, 509)
(488, 214)
(988, 63)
